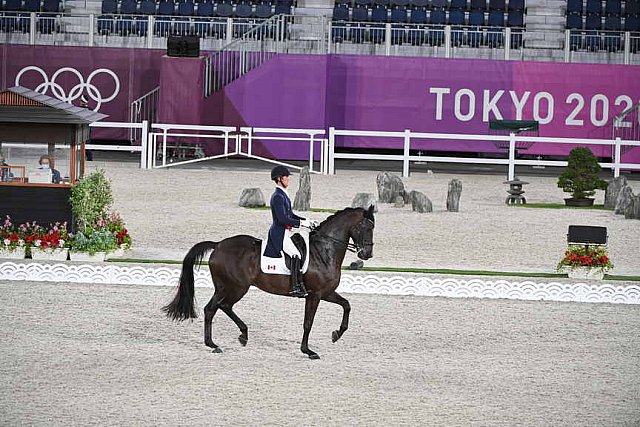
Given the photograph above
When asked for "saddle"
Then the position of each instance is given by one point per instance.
(300, 239)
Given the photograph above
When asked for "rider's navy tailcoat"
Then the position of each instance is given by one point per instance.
(283, 217)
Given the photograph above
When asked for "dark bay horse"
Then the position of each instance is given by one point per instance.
(235, 266)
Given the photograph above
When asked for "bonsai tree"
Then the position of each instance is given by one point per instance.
(580, 177)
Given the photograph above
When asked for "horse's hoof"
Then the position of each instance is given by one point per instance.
(314, 356)
(216, 350)
(243, 340)
(335, 336)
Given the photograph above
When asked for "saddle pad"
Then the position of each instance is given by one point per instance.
(270, 265)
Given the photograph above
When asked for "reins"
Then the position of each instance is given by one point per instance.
(351, 247)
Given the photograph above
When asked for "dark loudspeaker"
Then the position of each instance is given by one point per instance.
(587, 235)
(183, 46)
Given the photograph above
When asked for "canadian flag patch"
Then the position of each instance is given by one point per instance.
(271, 267)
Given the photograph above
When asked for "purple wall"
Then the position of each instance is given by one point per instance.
(349, 92)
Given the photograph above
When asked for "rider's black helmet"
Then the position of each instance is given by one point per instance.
(279, 171)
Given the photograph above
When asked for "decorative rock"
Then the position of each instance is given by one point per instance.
(364, 200)
(356, 265)
(302, 201)
(633, 208)
(399, 203)
(623, 200)
(390, 186)
(613, 190)
(420, 202)
(251, 198)
(453, 195)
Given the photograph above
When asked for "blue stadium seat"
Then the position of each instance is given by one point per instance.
(263, 10)
(496, 19)
(399, 15)
(613, 7)
(399, 3)
(515, 19)
(574, 7)
(13, 5)
(519, 4)
(162, 26)
(357, 31)
(148, 7)
(478, 5)
(398, 30)
(124, 25)
(631, 8)
(632, 23)
(418, 3)
(381, 2)
(51, 6)
(283, 9)
(31, 6)
(476, 18)
(341, 13)
(416, 33)
(363, 2)
(379, 14)
(438, 4)
(456, 17)
(109, 7)
(224, 10)
(418, 16)
(359, 14)
(437, 17)
(495, 37)
(574, 22)
(186, 8)
(243, 10)
(497, 5)
(340, 18)
(593, 22)
(128, 7)
(456, 20)
(613, 23)
(594, 7)
(205, 9)
(458, 5)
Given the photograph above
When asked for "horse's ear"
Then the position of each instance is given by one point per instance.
(369, 213)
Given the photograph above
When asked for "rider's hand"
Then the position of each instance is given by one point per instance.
(313, 223)
(305, 223)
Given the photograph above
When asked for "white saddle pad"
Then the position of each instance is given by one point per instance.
(270, 265)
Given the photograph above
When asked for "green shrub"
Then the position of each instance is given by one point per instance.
(90, 199)
(580, 177)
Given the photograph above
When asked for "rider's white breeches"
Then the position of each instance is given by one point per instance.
(288, 247)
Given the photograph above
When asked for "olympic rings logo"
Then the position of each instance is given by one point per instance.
(83, 87)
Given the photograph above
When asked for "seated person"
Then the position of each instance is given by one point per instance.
(45, 164)
(5, 173)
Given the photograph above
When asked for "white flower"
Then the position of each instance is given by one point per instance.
(20, 242)
(60, 243)
(7, 242)
(37, 243)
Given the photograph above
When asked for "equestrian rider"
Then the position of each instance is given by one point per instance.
(279, 235)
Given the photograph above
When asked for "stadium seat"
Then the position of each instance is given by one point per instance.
(594, 7)
(498, 5)
(632, 8)
(475, 34)
(456, 20)
(456, 17)
(224, 10)
(438, 4)
(51, 6)
(243, 10)
(495, 32)
(398, 30)
(340, 18)
(381, 2)
(632, 23)
(109, 7)
(613, 23)
(205, 9)
(613, 7)
(162, 26)
(148, 7)
(363, 2)
(13, 6)
(182, 26)
(263, 11)
(593, 22)
(379, 14)
(437, 17)
(31, 6)
(359, 14)
(574, 7)
(519, 5)
(574, 22)
(399, 15)
(476, 18)
(186, 8)
(128, 7)
(458, 5)
(399, 3)
(515, 19)
(283, 9)
(478, 5)
(415, 4)
(357, 31)
(416, 33)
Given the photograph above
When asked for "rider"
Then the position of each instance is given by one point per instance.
(284, 219)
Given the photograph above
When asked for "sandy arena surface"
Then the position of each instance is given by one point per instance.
(170, 210)
(104, 355)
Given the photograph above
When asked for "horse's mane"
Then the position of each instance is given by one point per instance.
(339, 214)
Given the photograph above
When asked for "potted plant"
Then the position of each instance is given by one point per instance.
(116, 226)
(580, 177)
(12, 243)
(585, 262)
(51, 243)
(93, 246)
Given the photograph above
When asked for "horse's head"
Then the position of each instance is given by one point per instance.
(362, 234)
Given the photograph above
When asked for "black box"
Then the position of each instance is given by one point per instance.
(183, 46)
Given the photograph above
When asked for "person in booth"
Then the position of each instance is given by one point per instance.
(284, 219)
(45, 164)
(5, 172)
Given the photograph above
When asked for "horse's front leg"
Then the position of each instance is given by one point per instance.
(346, 307)
(309, 313)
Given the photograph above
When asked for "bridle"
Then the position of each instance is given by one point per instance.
(351, 247)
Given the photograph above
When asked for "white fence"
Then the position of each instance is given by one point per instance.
(407, 136)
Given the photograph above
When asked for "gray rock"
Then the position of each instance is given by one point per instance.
(364, 200)
(613, 189)
(251, 198)
(399, 203)
(356, 265)
(453, 195)
(623, 200)
(390, 186)
(420, 202)
(632, 210)
(302, 201)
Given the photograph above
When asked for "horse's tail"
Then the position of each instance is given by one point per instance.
(182, 306)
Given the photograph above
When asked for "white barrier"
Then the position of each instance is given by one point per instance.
(142, 149)
(512, 139)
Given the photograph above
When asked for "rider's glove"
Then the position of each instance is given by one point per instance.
(308, 223)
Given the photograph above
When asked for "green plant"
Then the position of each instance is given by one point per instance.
(580, 177)
(98, 241)
(90, 199)
(585, 256)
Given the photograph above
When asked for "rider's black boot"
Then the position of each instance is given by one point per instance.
(297, 287)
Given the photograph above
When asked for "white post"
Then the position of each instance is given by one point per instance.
(627, 47)
(92, 29)
(616, 157)
(329, 35)
(164, 146)
(229, 30)
(405, 155)
(150, 24)
(151, 151)
(323, 142)
(387, 39)
(144, 142)
(332, 144)
(226, 143)
(249, 141)
(507, 43)
(512, 156)
(311, 144)
(447, 41)
(32, 28)
(567, 45)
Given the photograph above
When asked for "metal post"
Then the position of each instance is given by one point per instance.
(512, 156)
(144, 142)
(616, 157)
(329, 35)
(567, 45)
(164, 146)
(447, 41)
(311, 144)
(627, 47)
(150, 24)
(332, 144)
(92, 28)
(405, 159)
(507, 44)
(387, 39)
(229, 30)
(32, 28)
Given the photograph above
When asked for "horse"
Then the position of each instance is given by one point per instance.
(235, 266)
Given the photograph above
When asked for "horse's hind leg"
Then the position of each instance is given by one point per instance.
(346, 307)
(210, 311)
(244, 331)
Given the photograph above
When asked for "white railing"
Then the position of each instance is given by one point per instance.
(142, 149)
(143, 108)
(407, 136)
